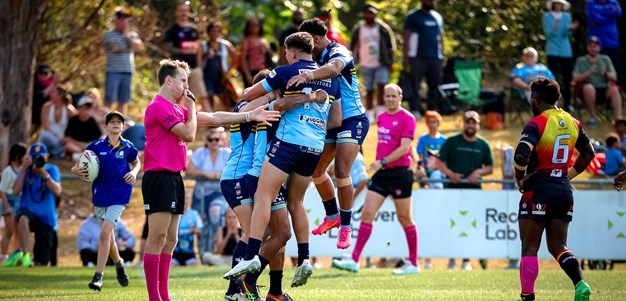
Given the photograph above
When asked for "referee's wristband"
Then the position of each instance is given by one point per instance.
(383, 161)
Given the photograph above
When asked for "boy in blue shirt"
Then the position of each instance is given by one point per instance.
(614, 161)
(111, 191)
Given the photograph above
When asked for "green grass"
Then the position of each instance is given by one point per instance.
(205, 283)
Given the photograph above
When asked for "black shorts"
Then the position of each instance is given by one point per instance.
(235, 192)
(163, 191)
(397, 182)
(251, 183)
(546, 202)
(182, 258)
(144, 233)
(601, 95)
(44, 235)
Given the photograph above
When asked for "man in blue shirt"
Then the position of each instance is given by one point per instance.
(40, 185)
(111, 191)
(88, 240)
(525, 72)
(602, 17)
(423, 51)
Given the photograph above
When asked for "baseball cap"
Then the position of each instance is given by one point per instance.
(121, 12)
(372, 8)
(471, 115)
(112, 114)
(43, 67)
(38, 149)
(594, 39)
(85, 100)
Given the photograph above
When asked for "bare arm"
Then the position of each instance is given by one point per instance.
(193, 170)
(405, 146)
(611, 76)
(187, 131)
(226, 118)
(335, 116)
(169, 47)
(290, 102)
(520, 83)
(329, 70)
(136, 45)
(131, 176)
(221, 241)
(578, 77)
(19, 182)
(586, 154)
(244, 59)
(406, 34)
(260, 101)
(44, 117)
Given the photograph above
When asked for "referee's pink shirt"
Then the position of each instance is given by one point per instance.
(164, 150)
(391, 130)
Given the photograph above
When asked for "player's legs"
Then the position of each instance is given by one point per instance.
(346, 153)
(530, 234)
(166, 256)
(373, 202)
(157, 236)
(297, 187)
(613, 96)
(589, 96)
(107, 244)
(276, 275)
(326, 189)
(556, 238)
(9, 229)
(405, 217)
(244, 213)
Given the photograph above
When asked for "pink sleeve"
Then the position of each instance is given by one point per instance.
(167, 116)
(409, 127)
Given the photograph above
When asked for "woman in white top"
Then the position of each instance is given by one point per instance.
(54, 117)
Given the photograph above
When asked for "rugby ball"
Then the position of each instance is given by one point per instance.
(90, 160)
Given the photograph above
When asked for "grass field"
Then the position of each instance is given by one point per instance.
(204, 283)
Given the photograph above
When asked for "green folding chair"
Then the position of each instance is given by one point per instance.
(469, 75)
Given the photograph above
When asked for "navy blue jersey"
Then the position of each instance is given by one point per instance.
(242, 147)
(348, 83)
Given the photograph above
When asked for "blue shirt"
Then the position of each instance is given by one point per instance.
(109, 188)
(528, 74)
(426, 143)
(557, 39)
(614, 160)
(201, 158)
(426, 29)
(602, 21)
(185, 236)
(37, 197)
(89, 235)
(358, 172)
(304, 125)
(241, 146)
(137, 135)
(348, 83)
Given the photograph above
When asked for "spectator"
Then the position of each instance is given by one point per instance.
(40, 185)
(373, 44)
(120, 44)
(598, 75)
(602, 18)
(227, 238)
(87, 241)
(614, 159)
(465, 156)
(619, 125)
(182, 41)
(208, 162)
(55, 116)
(255, 50)
(558, 27)
(190, 225)
(423, 52)
(333, 34)
(135, 133)
(218, 54)
(430, 143)
(296, 19)
(9, 202)
(527, 70)
(45, 81)
(81, 128)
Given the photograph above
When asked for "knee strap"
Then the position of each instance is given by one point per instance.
(344, 182)
(321, 179)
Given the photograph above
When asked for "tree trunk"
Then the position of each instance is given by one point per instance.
(19, 39)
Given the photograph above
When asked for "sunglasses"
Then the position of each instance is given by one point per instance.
(213, 139)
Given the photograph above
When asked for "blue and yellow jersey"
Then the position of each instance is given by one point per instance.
(348, 84)
(304, 125)
(242, 147)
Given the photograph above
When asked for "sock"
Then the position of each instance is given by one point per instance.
(528, 271)
(411, 240)
(570, 265)
(365, 230)
(151, 271)
(330, 207)
(251, 278)
(120, 263)
(276, 280)
(346, 216)
(303, 252)
(254, 245)
(98, 274)
(238, 253)
(164, 276)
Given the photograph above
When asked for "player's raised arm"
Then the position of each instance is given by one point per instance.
(330, 70)
(225, 118)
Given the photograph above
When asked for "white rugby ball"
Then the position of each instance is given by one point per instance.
(90, 160)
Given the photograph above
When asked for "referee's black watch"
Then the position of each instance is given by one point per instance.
(383, 161)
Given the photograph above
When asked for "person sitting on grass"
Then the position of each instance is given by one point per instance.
(614, 162)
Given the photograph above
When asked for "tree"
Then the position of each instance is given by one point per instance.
(19, 40)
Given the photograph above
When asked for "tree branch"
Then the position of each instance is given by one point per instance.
(88, 21)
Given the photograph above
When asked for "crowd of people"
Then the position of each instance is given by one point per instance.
(294, 121)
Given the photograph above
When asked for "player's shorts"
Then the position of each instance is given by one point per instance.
(163, 191)
(371, 76)
(196, 82)
(235, 192)
(44, 237)
(110, 213)
(397, 182)
(251, 183)
(548, 201)
(352, 130)
(184, 259)
(292, 157)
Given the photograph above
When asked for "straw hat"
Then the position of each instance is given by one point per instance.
(566, 4)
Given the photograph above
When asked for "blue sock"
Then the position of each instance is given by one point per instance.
(330, 207)
(254, 245)
(346, 216)
(303, 253)
(276, 283)
(251, 278)
(238, 253)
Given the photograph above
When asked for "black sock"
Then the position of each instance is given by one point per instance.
(276, 280)
(346, 216)
(251, 278)
(120, 263)
(303, 253)
(570, 266)
(330, 207)
(238, 253)
(97, 274)
(529, 297)
(254, 245)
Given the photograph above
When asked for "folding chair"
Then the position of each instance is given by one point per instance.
(469, 76)
(603, 111)
(518, 105)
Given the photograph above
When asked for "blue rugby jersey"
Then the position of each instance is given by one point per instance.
(242, 147)
(348, 83)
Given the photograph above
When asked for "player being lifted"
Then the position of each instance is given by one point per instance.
(342, 142)
(294, 152)
(541, 169)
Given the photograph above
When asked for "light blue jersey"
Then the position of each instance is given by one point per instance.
(304, 125)
(348, 83)
(242, 147)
